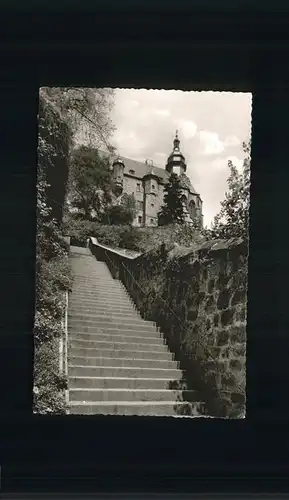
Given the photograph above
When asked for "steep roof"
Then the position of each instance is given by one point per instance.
(141, 169)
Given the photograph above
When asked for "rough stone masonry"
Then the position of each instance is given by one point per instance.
(198, 298)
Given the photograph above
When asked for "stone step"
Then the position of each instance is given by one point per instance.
(113, 311)
(102, 299)
(100, 287)
(120, 304)
(81, 250)
(99, 283)
(80, 343)
(127, 395)
(107, 323)
(121, 354)
(122, 383)
(82, 268)
(123, 305)
(94, 277)
(153, 337)
(103, 313)
(115, 323)
(107, 336)
(104, 293)
(96, 280)
(122, 362)
(112, 371)
(91, 274)
(146, 408)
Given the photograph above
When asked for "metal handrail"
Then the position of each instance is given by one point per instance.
(170, 309)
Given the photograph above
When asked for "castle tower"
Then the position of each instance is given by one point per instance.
(151, 197)
(117, 175)
(176, 161)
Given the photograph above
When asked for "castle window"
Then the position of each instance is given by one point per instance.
(138, 186)
(132, 172)
(192, 209)
(140, 205)
(153, 186)
(152, 221)
(140, 219)
(152, 205)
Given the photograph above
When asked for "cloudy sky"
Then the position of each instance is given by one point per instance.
(211, 125)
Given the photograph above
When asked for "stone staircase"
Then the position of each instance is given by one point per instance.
(118, 363)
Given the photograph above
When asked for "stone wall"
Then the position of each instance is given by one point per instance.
(198, 299)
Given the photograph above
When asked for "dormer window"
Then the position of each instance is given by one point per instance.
(132, 172)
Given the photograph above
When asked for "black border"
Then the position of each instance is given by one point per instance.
(235, 52)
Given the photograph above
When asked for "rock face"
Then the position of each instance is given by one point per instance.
(119, 363)
(198, 298)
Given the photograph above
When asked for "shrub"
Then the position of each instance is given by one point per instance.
(130, 239)
(49, 385)
(117, 215)
(111, 235)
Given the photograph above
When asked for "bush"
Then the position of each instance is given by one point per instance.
(182, 234)
(111, 235)
(131, 239)
(49, 385)
(117, 215)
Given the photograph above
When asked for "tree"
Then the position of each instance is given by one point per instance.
(54, 145)
(86, 111)
(52, 269)
(172, 210)
(63, 114)
(233, 218)
(89, 182)
(121, 214)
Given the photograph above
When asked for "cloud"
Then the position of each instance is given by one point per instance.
(212, 127)
(162, 112)
(211, 143)
(187, 128)
(231, 140)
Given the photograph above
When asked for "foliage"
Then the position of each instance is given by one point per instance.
(183, 234)
(65, 116)
(54, 142)
(53, 279)
(233, 218)
(86, 111)
(130, 239)
(133, 238)
(79, 230)
(89, 182)
(52, 275)
(121, 214)
(49, 385)
(172, 211)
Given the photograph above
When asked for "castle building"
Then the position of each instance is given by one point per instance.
(147, 183)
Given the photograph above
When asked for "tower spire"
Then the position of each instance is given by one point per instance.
(176, 141)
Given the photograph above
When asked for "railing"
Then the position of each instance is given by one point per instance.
(63, 342)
